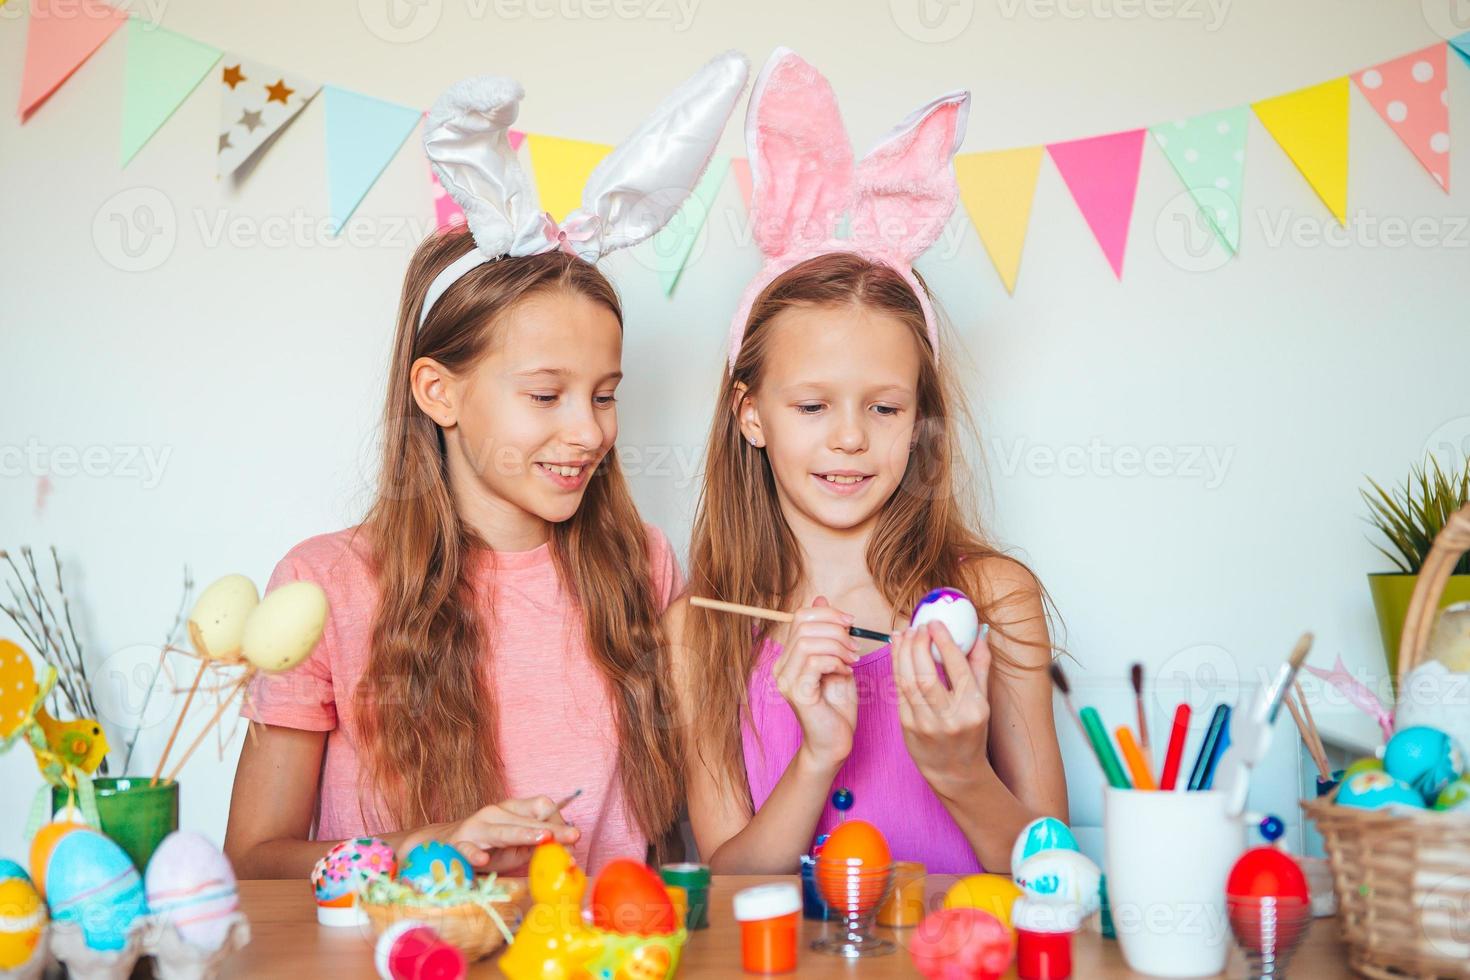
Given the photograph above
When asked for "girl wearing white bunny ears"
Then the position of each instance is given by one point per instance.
(832, 490)
(494, 631)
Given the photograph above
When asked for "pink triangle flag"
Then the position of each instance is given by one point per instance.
(740, 168)
(1102, 174)
(62, 35)
(1410, 94)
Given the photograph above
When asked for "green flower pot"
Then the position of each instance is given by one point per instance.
(1391, 594)
(135, 815)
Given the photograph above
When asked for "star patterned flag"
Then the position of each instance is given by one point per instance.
(257, 101)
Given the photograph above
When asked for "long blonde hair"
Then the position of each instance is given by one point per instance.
(743, 550)
(428, 715)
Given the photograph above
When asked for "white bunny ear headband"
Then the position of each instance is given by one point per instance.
(631, 194)
(803, 180)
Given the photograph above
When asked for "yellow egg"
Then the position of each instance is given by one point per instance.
(21, 918)
(989, 893)
(217, 620)
(282, 631)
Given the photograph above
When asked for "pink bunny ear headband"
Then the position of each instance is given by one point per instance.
(631, 194)
(803, 180)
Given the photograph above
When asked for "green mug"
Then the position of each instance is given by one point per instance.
(134, 814)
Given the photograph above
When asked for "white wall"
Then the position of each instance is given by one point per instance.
(258, 369)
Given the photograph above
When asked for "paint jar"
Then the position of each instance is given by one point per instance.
(769, 917)
(813, 906)
(694, 879)
(1044, 937)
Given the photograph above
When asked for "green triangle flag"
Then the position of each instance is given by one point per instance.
(1208, 152)
(675, 240)
(162, 69)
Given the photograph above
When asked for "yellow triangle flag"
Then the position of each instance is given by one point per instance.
(1311, 124)
(997, 189)
(561, 168)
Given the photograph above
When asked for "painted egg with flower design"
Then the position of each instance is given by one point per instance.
(338, 875)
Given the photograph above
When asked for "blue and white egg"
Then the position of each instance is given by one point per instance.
(1060, 876)
(1042, 834)
(433, 862)
(1425, 758)
(191, 884)
(955, 610)
(1374, 790)
(92, 882)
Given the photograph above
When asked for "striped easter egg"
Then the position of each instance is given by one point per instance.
(92, 882)
(22, 919)
(191, 884)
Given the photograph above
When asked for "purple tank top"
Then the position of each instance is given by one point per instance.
(888, 789)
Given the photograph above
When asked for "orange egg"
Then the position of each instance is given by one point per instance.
(851, 867)
(41, 847)
(630, 898)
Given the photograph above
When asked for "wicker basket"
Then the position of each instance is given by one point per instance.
(468, 927)
(1403, 879)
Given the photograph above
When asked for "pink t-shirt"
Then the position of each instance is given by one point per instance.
(557, 729)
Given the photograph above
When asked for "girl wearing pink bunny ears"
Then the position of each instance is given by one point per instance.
(831, 491)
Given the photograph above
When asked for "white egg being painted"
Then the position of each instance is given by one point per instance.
(1041, 834)
(955, 610)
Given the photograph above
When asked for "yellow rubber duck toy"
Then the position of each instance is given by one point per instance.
(81, 743)
(553, 943)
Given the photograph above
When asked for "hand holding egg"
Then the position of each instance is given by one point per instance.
(958, 614)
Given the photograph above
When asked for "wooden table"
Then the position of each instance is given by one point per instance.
(287, 942)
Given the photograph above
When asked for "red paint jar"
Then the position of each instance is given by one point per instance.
(769, 917)
(1044, 937)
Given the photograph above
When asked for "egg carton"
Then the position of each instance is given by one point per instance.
(174, 958)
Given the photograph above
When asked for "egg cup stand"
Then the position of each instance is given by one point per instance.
(174, 957)
(850, 932)
(1403, 879)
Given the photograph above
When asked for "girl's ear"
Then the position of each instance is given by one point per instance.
(747, 416)
(435, 390)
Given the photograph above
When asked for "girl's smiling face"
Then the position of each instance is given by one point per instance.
(527, 425)
(835, 411)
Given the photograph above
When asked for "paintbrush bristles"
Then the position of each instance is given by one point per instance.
(1300, 651)
(1060, 680)
(1135, 675)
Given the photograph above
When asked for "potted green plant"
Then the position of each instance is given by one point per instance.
(1409, 517)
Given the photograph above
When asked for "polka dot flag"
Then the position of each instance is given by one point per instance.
(1208, 153)
(1409, 92)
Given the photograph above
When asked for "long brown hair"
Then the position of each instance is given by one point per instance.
(927, 534)
(428, 715)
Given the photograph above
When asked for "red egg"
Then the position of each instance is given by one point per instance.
(961, 943)
(630, 898)
(1265, 872)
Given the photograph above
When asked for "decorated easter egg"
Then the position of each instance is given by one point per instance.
(433, 862)
(955, 610)
(191, 884)
(1425, 758)
(1455, 796)
(995, 894)
(1041, 834)
(43, 844)
(1266, 872)
(1365, 764)
(629, 897)
(22, 919)
(282, 631)
(1371, 790)
(91, 881)
(1063, 876)
(961, 942)
(217, 621)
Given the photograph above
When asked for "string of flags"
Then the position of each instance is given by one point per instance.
(363, 134)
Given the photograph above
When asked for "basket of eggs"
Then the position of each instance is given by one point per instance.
(1398, 835)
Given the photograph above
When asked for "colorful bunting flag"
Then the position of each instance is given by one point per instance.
(363, 134)
(1462, 45)
(61, 35)
(1208, 153)
(561, 167)
(997, 189)
(162, 69)
(740, 169)
(256, 102)
(1311, 125)
(673, 243)
(1411, 95)
(1102, 174)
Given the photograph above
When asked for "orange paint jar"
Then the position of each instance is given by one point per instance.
(905, 905)
(769, 917)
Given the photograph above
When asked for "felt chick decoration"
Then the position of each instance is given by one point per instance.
(63, 748)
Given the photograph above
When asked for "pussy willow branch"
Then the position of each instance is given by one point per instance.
(168, 645)
(28, 617)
